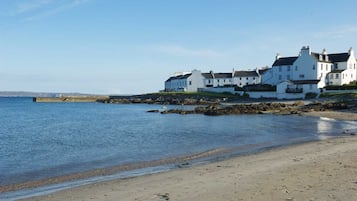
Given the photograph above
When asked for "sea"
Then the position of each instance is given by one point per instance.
(80, 143)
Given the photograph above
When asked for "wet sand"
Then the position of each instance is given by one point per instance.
(341, 115)
(322, 170)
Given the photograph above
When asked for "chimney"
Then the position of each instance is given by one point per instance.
(277, 57)
(351, 51)
(324, 55)
(305, 50)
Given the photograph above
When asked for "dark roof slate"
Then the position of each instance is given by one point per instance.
(207, 75)
(337, 71)
(245, 74)
(331, 58)
(284, 61)
(339, 57)
(179, 77)
(305, 81)
(223, 75)
(321, 57)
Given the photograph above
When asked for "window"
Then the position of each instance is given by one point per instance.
(326, 67)
(253, 78)
(190, 82)
(301, 76)
(322, 68)
(331, 76)
(296, 68)
(288, 77)
(240, 84)
(336, 76)
(279, 68)
(209, 81)
(313, 67)
(279, 77)
(240, 78)
(288, 68)
(246, 78)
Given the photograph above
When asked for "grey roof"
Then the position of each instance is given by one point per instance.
(207, 75)
(179, 77)
(337, 71)
(332, 58)
(217, 75)
(262, 71)
(321, 57)
(339, 57)
(305, 81)
(223, 75)
(284, 61)
(245, 74)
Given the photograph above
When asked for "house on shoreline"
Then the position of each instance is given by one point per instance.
(216, 82)
(294, 76)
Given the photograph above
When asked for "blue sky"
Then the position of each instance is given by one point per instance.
(133, 46)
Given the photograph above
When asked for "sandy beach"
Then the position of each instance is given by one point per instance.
(321, 170)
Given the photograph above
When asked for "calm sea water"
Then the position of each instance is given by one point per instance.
(41, 140)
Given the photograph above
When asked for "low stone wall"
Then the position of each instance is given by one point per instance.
(79, 99)
(221, 90)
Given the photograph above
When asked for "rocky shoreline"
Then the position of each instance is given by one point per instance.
(262, 108)
(222, 104)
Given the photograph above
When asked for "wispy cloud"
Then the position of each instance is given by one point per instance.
(31, 5)
(337, 32)
(177, 50)
(37, 9)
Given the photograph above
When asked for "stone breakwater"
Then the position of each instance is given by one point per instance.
(167, 99)
(261, 108)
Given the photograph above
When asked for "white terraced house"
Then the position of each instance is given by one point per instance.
(195, 81)
(307, 72)
(181, 82)
(323, 68)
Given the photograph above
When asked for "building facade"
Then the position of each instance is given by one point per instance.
(327, 69)
(305, 73)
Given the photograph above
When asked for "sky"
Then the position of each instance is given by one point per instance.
(133, 46)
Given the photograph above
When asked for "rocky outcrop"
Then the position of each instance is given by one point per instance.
(170, 99)
(259, 108)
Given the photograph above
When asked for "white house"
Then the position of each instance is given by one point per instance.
(327, 69)
(217, 79)
(296, 89)
(189, 82)
(294, 76)
(243, 78)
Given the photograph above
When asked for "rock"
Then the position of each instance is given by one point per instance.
(153, 111)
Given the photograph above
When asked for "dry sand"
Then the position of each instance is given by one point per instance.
(323, 170)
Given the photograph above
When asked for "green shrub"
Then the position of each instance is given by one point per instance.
(310, 95)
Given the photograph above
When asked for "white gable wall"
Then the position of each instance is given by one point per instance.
(195, 81)
(268, 77)
(304, 66)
